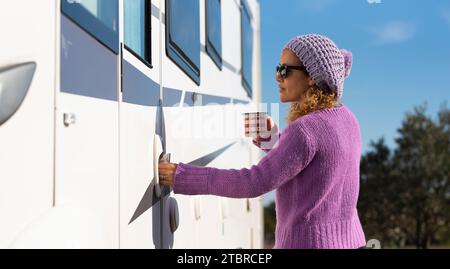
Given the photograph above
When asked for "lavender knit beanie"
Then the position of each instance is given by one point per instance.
(327, 65)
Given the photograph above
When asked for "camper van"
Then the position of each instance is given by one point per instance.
(95, 93)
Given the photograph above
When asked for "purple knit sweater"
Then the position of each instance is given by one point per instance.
(315, 171)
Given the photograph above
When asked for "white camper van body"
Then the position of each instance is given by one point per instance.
(85, 117)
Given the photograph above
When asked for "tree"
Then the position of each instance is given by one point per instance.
(377, 203)
(422, 164)
(405, 196)
(269, 224)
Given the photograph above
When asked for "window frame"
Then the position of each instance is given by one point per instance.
(245, 11)
(211, 50)
(176, 54)
(147, 59)
(91, 25)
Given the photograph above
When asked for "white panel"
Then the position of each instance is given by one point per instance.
(137, 128)
(87, 163)
(186, 237)
(28, 33)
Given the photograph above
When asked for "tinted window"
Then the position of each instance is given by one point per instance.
(137, 21)
(214, 31)
(97, 17)
(183, 35)
(247, 49)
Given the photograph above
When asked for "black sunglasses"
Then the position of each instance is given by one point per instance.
(283, 69)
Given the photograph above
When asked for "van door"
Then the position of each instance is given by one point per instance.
(141, 126)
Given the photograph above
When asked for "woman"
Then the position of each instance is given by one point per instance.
(315, 165)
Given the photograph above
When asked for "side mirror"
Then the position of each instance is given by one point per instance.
(14, 84)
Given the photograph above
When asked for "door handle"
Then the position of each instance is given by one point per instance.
(69, 119)
(158, 156)
(15, 82)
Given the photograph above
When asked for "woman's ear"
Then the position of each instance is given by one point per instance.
(311, 82)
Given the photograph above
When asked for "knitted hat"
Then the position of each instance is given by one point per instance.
(327, 65)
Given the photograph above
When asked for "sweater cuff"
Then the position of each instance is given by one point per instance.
(191, 179)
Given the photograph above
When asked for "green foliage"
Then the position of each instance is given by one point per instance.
(269, 224)
(405, 194)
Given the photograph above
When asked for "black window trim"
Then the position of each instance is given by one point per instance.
(245, 11)
(210, 48)
(176, 54)
(148, 37)
(90, 24)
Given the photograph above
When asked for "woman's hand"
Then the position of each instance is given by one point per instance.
(272, 128)
(167, 174)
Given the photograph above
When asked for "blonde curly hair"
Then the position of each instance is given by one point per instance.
(312, 100)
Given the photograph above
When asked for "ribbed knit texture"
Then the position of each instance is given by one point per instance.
(315, 171)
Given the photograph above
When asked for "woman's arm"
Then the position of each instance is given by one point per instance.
(294, 152)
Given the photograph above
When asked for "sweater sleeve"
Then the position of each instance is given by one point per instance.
(293, 153)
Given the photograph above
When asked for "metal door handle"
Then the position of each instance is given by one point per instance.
(69, 119)
(15, 82)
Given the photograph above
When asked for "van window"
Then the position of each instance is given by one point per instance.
(214, 31)
(137, 21)
(247, 49)
(97, 17)
(183, 36)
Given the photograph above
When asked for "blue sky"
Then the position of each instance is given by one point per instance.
(401, 52)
